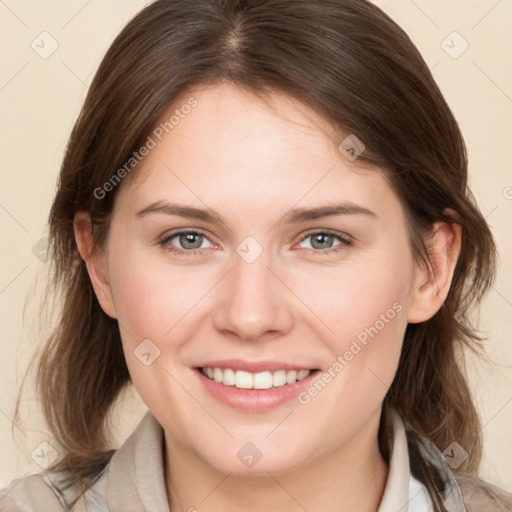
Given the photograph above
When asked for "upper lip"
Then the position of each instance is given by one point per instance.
(254, 366)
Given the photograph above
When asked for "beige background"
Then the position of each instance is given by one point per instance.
(41, 97)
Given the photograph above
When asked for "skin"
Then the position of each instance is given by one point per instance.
(251, 165)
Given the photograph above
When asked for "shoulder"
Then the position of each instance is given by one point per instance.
(466, 490)
(29, 494)
(482, 496)
(136, 459)
(43, 492)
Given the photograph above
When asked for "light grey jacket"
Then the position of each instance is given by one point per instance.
(133, 481)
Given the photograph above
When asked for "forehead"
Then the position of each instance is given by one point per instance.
(249, 152)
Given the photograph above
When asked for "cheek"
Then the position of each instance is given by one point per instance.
(152, 302)
(151, 295)
(364, 306)
(364, 291)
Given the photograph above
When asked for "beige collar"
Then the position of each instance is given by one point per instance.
(135, 476)
(396, 492)
(136, 472)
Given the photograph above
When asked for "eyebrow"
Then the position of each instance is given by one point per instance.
(294, 215)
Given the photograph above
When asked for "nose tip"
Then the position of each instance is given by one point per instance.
(254, 301)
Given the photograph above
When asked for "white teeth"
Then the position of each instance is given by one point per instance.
(217, 375)
(243, 380)
(229, 377)
(279, 378)
(261, 380)
(291, 376)
(302, 374)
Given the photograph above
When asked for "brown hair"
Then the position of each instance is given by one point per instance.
(350, 63)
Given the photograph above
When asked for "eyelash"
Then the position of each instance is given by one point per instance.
(345, 242)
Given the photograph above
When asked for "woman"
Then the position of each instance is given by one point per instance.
(302, 352)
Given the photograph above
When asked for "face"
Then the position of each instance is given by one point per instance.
(261, 289)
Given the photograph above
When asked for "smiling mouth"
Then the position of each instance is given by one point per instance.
(261, 380)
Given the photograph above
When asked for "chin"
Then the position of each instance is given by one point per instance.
(248, 460)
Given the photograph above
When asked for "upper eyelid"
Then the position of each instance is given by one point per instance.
(197, 231)
(325, 230)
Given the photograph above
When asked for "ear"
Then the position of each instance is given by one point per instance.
(433, 284)
(95, 261)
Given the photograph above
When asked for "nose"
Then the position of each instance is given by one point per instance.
(255, 302)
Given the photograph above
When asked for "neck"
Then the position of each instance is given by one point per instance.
(350, 478)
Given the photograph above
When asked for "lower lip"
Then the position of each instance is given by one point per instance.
(254, 400)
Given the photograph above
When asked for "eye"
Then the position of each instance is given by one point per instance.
(322, 241)
(192, 241)
(189, 240)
